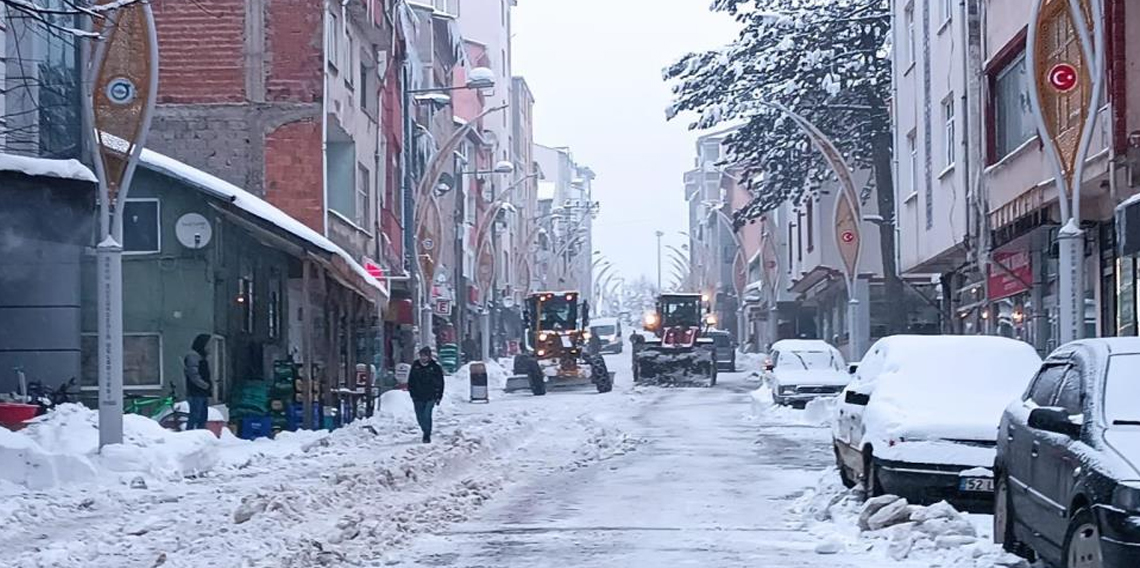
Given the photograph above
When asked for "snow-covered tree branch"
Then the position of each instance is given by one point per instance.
(825, 59)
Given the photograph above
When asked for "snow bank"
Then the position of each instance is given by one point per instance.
(818, 412)
(888, 528)
(62, 447)
(62, 169)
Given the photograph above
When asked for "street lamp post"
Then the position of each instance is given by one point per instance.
(1056, 79)
(414, 219)
(659, 235)
(120, 91)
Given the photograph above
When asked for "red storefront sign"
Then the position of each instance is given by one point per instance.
(1013, 281)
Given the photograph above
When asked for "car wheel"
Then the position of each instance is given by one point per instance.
(871, 475)
(844, 476)
(1082, 543)
(1004, 520)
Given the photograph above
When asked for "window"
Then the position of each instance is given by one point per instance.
(365, 92)
(1013, 119)
(141, 226)
(949, 137)
(332, 40)
(142, 360)
(1069, 396)
(1045, 385)
(791, 237)
(908, 18)
(363, 199)
(245, 300)
(274, 306)
(1121, 389)
(912, 149)
(810, 223)
(348, 57)
(799, 236)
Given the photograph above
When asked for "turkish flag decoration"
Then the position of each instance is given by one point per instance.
(1061, 71)
(847, 234)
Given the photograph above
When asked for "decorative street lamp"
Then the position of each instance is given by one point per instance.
(1060, 83)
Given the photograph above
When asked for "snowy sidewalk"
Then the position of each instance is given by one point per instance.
(348, 498)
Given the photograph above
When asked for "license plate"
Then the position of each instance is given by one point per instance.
(976, 485)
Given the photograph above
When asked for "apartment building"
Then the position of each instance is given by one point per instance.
(979, 210)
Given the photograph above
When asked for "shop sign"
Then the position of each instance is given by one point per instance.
(1003, 283)
(443, 308)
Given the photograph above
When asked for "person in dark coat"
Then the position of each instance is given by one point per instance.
(425, 384)
(199, 385)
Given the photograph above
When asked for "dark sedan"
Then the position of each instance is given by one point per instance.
(1068, 460)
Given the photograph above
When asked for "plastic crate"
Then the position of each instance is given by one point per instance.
(255, 427)
(295, 418)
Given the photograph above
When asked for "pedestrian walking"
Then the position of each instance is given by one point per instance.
(425, 384)
(199, 385)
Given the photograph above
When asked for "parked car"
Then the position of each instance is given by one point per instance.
(1068, 459)
(920, 418)
(725, 347)
(608, 331)
(799, 370)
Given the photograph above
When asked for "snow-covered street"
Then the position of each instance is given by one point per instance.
(639, 477)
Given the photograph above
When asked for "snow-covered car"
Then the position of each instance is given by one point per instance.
(799, 370)
(920, 418)
(1068, 459)
(609, 332)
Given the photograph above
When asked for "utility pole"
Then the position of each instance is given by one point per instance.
(659, 235)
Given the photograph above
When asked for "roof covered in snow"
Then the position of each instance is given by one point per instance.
(253, 205)
(62, 169)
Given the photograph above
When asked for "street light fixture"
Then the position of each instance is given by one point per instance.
(478, 79)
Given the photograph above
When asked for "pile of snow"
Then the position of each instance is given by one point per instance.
(348, 497)
(62, 447)
(752, 363)
(888, 527)
(818, 412)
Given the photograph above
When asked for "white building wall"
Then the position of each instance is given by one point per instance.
(930, 174)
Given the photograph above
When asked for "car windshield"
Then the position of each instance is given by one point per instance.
(807, 360)
(720, 340)
(604, 330)
(1122, 390)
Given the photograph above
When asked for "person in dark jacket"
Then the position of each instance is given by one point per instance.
(425, 384)
(199, 386)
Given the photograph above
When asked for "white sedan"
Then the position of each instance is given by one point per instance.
(920, 419)
(800, 370)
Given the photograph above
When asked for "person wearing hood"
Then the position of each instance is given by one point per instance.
(425, 384)
(199, 386)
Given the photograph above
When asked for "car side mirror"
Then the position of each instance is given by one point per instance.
(1055, 420)
(857, 398)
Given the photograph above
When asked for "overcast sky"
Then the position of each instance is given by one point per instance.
(595, 69)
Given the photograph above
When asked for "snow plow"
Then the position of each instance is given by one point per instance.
(677, 352)
(557, 329)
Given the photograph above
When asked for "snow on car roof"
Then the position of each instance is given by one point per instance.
(944, 386)
(802, 345)
(603, 321)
